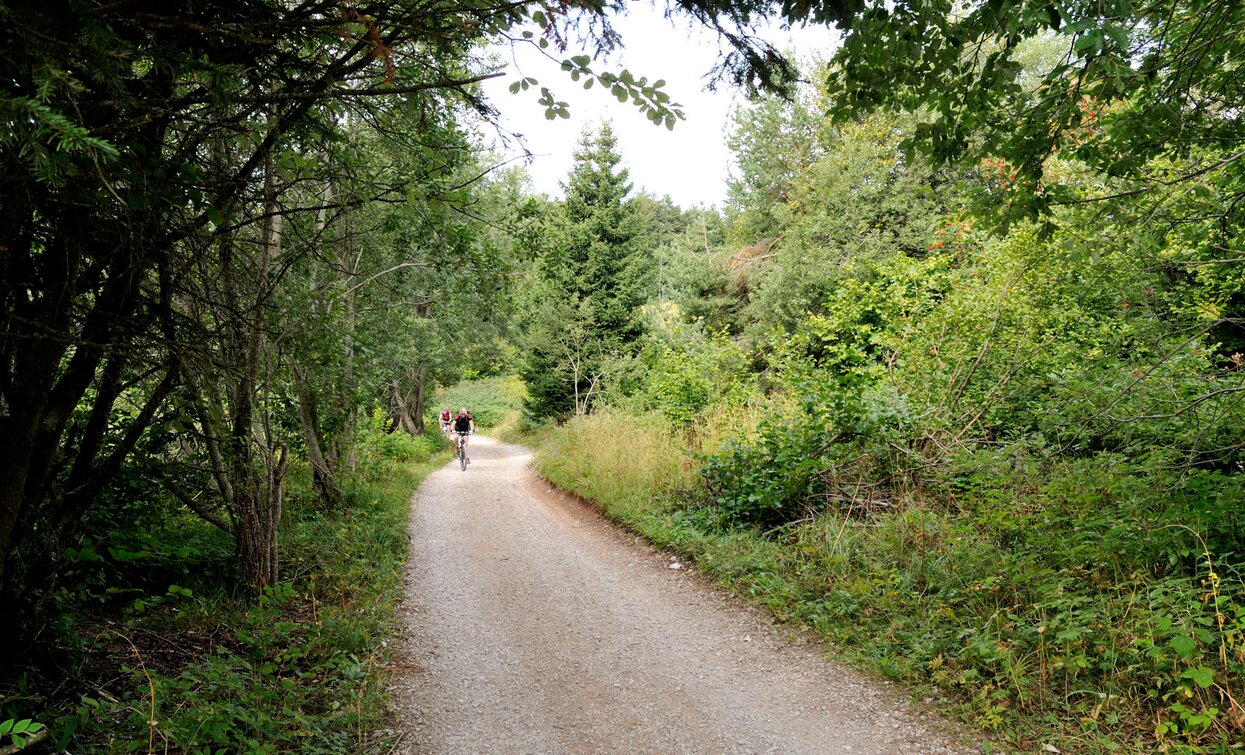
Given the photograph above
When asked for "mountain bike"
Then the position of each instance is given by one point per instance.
(462, 449)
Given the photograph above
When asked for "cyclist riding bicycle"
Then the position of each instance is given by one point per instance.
(463, 426)
(444, 421)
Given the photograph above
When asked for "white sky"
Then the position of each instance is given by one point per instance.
(690, 164)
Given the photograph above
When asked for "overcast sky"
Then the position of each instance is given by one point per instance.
(690, 163)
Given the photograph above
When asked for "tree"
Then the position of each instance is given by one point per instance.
(114, 194)
(598, 263)
(773, 141)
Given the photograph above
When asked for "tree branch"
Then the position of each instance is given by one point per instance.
(201, 511)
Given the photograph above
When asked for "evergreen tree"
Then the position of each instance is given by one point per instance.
(588, 286)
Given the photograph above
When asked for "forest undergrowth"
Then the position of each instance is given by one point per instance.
(1044, 601)
(157, 651)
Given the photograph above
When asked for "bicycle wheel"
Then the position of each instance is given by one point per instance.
(462, 456)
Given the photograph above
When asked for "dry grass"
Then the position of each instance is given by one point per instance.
(621, 461)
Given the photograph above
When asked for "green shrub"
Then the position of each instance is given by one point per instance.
(686, 377)
(837, 436)
(301, 671)
(1066, 601)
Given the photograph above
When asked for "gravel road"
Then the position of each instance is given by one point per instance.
(532, 625)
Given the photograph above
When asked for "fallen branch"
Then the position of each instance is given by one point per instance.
(35, 738)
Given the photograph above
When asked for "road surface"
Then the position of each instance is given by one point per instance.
(532, 625)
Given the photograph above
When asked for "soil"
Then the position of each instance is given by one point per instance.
(532, 624)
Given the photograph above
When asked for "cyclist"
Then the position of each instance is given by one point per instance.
(463, 426)
(444, 421)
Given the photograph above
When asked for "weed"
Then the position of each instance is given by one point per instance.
(1054, 601)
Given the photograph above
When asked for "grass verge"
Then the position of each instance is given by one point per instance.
(1004, 607)
(189, 666)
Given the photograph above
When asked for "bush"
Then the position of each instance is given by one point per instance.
(831, 446)
(683, 380)
(1064, 601)
(302, 671)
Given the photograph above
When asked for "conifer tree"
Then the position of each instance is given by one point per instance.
(588, 286)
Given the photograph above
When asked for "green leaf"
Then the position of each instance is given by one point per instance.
(1118, 35)
(1183, 645)
(1201, 676)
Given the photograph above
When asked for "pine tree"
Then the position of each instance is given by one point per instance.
(590, 283)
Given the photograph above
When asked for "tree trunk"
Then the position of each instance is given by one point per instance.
(248, 465)
(408, 398)
(351, 460)
(321, 469)
(257, 516)
(419, 400)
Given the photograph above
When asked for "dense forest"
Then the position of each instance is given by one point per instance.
(955, 377)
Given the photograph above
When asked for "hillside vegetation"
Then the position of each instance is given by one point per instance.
(995, 458)
(955, 376)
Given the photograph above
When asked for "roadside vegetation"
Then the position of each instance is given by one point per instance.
(159, 653)
(495, 403)
(956, 376)
(1017, 597)
(998, 459)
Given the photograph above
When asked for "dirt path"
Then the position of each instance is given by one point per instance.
(534, 626)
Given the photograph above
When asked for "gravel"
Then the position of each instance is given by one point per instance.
(533, 625)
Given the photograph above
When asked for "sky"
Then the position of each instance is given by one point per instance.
(690, 163)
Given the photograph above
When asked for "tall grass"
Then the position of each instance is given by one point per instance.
(618, 460)
(1017, 608)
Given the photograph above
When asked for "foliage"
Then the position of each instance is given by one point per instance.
(19, 732)
(850, 201)
(833, 446)
(1002, 463)
(773, 140)
(150, 252)
(1050, 602)
(581, 307)
(1130, 83)
(1000, 459)
(302, 668)
(694, 282)
(632, 458)
(493, 402)
(380, 448)
(684, 379)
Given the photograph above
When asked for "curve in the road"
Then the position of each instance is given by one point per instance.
(532, 625)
